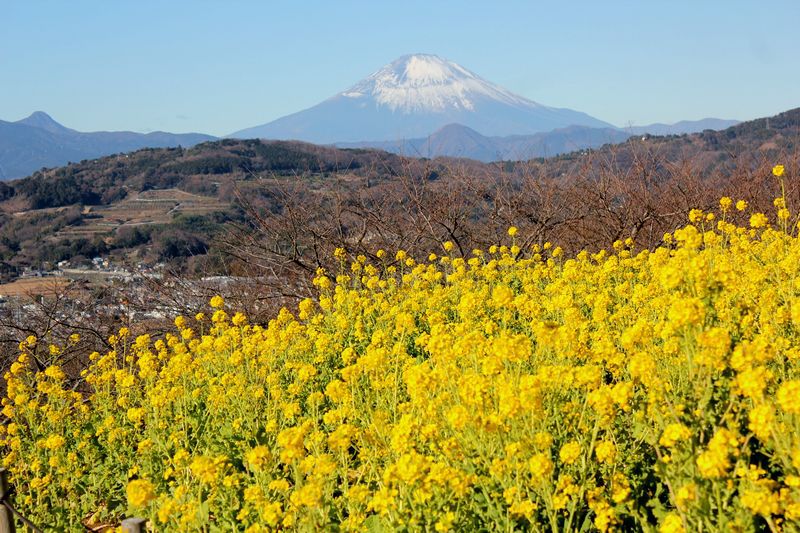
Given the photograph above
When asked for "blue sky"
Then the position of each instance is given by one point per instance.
(217, 67)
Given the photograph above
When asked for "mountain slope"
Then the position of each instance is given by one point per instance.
(457, 140)
(410, 98)
(39, 141)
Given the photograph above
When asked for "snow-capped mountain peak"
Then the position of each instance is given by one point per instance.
(424, 82)
(412, 97)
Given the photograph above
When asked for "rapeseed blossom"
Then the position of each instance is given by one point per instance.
(511, 389)
(140, 493)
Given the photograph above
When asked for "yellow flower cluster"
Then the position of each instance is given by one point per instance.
(511, 389)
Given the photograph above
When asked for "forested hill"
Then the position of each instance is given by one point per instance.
(709, 152)
(162, 204)
(206, 169)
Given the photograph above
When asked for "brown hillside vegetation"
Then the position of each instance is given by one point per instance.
(266, 215)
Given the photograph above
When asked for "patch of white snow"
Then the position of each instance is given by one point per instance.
(425, 83)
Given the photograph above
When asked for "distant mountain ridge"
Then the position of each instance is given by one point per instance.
(457, 140)
(43, 121)
(412, 97)
(38, 141)
(682, 127)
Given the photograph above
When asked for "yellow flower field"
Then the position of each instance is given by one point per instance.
(514, 389)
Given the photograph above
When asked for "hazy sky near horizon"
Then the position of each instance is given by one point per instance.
(220, 66)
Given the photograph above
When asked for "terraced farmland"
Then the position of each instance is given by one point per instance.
(144, 208)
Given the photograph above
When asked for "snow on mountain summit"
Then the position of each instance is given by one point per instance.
(412, 97)
(424, 82)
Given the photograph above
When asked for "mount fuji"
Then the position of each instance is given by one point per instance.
(414, 96)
